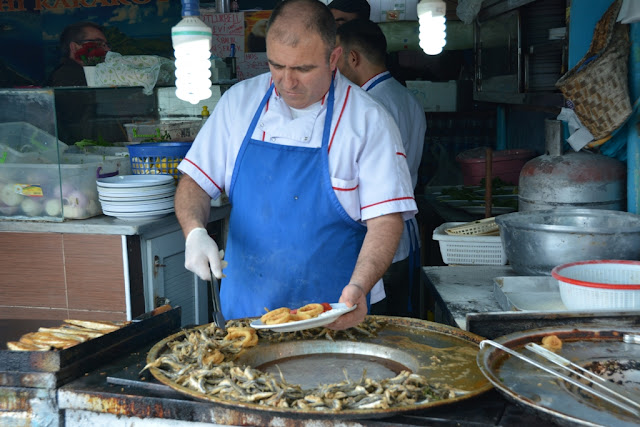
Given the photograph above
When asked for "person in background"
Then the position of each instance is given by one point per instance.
(347, 10)
(69, 71)
(363, 61)
(315, 172)
(76, 108)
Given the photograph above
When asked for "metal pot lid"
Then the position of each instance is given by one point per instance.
(554, 398)
(444, 355)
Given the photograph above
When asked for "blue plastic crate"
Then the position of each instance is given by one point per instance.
(157, 158)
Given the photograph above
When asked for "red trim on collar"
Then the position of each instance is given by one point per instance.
(346, 98)
(275, 89)
(203, 173)
(401, 154)
(264, 135)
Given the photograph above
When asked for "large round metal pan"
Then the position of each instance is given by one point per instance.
(443, 354)
(554, 398)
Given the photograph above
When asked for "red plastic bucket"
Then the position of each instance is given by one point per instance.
(505, 164)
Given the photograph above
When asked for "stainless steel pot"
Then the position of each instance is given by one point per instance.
(538, 240)
(580, 180)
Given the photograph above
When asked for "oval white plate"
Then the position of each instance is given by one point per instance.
(134, 198)
(338, 309)
(141, 207)
(139, 215)
(136, 192)
(129, 190)
(120, 181)
(137, 202)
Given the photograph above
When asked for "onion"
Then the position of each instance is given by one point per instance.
(72, 211)
(8, 210)
(93, 208)
(66, 189)
(31, 206)
(76, 199)
(9, 197)
(53, 207)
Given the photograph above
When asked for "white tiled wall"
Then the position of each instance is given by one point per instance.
(169, 105)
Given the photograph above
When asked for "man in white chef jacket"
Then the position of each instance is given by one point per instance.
(315, 172)
(364, 49)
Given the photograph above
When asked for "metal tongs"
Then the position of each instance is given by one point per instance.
(598, 386)
(216, 313)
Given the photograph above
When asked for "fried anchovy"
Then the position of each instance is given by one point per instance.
(188, 361)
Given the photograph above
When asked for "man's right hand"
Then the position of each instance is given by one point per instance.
(201, 255)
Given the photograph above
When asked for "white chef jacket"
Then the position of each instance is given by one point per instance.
(369, 179)
(409, 116)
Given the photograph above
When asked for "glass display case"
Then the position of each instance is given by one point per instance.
(100, 113)
(44, 172)
(41, 176)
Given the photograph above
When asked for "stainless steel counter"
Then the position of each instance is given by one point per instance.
(459, 290)
(103, 224)
(463, 296)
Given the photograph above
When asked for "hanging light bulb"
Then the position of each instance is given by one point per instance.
(432, 26)
(192, 48)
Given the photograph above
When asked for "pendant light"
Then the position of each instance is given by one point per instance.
(192, 48)
(431, 16)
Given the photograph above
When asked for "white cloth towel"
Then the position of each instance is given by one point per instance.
(629, 11)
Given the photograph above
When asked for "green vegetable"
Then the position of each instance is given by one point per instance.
(461, 193)
(495, 183)
(161, 137)
(89, 142)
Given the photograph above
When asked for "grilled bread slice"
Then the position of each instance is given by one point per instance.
(23, 346)
(95, 325)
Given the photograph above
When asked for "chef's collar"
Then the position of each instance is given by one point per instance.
(373, 79)
(313, 108)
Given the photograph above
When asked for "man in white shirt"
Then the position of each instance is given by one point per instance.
(315, 172)
(363, 61)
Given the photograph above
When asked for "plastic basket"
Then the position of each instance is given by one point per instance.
(469, 250)
(599, 285)
(157, 158)
(486, 227)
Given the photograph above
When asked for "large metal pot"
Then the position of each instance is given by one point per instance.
(579, 180)
(536, 241)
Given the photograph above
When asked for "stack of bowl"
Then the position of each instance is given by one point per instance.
(137, 197)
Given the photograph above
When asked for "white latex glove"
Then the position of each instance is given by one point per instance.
(201, 255)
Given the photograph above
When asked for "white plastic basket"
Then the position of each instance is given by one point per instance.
(599, 285)
(469, 250)
(486, 227)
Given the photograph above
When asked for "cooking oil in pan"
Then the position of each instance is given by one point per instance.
(329, 368)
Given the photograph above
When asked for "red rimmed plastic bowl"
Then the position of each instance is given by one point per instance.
(612, 285)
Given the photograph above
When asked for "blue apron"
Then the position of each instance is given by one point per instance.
(414, 248)
(290, 241)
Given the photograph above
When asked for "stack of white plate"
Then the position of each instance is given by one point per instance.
(137, 197)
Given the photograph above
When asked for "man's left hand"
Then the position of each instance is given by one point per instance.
(351, 294)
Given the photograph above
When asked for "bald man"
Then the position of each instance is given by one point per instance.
(316, 175)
